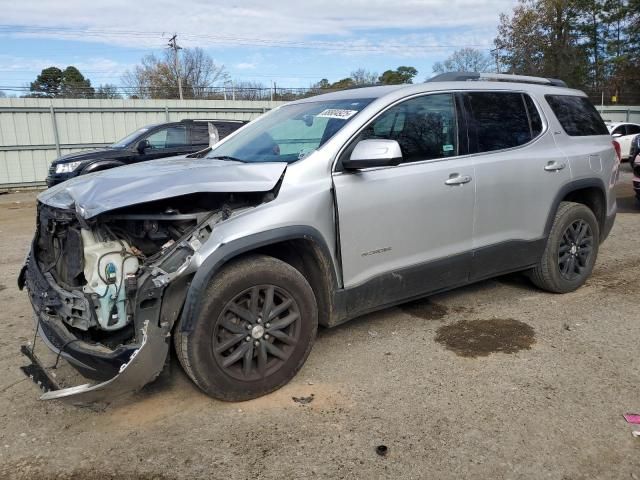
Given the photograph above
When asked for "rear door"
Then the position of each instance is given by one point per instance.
(199, 135)
(407, 229)
(519, 171)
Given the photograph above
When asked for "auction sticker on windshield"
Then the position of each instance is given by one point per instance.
(337, 113)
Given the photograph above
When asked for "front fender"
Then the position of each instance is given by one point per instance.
(228, 251)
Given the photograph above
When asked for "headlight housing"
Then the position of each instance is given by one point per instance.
(67, 167)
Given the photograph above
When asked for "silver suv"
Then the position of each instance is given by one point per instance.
(322, 210)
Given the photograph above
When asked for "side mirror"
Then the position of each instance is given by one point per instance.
(616, 135)
(142, 146)
(374, 153)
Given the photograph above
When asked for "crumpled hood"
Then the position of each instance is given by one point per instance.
(100, 192)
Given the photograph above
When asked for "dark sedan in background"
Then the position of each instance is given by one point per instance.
(147, 143)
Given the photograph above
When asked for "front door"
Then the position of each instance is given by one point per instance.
(167, 142)
(407, 230)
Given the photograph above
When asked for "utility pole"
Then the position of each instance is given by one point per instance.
(495, 53)
(173, 45)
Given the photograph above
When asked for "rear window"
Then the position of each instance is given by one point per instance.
(503, 119)
(577, 115)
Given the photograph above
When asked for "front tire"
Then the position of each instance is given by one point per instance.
(571, 250)
(254, 332)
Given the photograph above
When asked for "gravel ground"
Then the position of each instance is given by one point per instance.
(494, 381)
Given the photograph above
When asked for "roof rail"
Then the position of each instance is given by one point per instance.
(496, 77)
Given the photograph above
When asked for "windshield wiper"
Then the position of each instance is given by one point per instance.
(226, 157)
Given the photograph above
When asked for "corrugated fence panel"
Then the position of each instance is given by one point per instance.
(620, 113)
(34, 130)
(28, 141)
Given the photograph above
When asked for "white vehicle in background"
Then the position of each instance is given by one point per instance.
(624, 132)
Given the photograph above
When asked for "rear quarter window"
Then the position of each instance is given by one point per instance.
(577, 115)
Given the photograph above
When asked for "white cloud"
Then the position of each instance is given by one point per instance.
(245, 66)
(99, 70)
(346, 26)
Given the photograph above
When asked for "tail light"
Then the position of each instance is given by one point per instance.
(618, 150)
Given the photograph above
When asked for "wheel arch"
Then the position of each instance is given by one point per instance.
(302, 247)
(589, 192)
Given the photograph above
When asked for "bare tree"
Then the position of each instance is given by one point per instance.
(362, 77)
(158, 78)
(465, 60)
(107, 91)
(200, 72)
(247, 90)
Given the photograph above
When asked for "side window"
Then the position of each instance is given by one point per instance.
(577, 115)
(619, 131)
(200, 133)
(501, 120)
(633, 129)
(425, 127)
(169, 137)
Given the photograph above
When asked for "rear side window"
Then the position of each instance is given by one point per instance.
(633, 129)
(619, 131)
(502, 119)
(577, 115)
(200, 134)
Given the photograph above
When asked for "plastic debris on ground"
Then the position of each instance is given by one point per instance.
(632, 418)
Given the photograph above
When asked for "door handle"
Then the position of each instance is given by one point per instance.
(457, 179)
(554, 166)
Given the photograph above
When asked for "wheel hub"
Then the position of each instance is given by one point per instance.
(257, 332)
(573, 250)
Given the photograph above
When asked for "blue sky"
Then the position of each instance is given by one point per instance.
(292, 43)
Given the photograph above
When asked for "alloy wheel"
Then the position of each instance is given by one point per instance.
(576, 250)
(256, 332)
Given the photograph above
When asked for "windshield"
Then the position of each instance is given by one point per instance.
(129, 138)
(290, 133)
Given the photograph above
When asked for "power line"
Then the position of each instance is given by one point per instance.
(235, 40)
(118, 75)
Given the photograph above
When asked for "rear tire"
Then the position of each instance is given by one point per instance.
(571, 250)
(254, 332)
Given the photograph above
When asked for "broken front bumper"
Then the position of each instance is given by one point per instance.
(119, 371)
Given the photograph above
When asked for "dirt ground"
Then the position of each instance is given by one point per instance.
(494, 381)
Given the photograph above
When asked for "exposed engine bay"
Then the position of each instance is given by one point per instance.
(98, 263)
(106, 289)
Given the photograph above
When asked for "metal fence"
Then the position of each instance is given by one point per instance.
(620, 113)
(33, 132)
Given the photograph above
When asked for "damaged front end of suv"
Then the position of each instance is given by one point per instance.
(111, 263)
